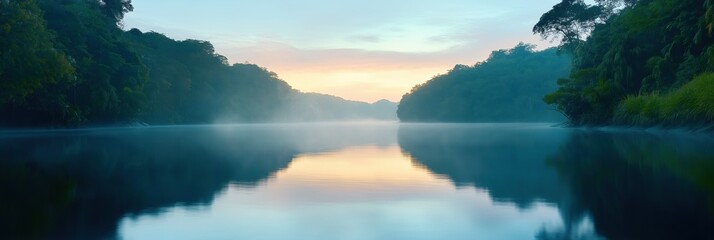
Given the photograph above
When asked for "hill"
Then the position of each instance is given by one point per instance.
(69, 64)
(507, 87)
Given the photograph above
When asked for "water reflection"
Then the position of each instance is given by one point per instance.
(357, 181)
(363, 192)
(639, 185)
(505, 159)
(79, 184)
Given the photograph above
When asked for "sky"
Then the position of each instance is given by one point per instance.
(363, 50)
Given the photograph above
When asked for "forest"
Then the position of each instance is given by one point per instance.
(68, 63)
(635, 62)
(507, 87)
(630, 63)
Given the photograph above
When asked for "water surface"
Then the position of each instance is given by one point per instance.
(357, 181)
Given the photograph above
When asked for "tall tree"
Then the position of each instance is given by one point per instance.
(573, 20)
(569, 20)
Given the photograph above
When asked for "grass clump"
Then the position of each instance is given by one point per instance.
(692, 105)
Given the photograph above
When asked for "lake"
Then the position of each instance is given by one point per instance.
(356, 181)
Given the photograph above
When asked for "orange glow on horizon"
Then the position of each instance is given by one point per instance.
(366, 86)
(355, 74)
(373, 165)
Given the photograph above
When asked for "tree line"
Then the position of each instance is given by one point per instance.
(633, 62)
(69, 63)
(507, 87)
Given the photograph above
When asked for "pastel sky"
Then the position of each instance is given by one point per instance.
(362, 50)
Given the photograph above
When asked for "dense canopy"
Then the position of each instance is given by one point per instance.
(636, 51)
(508, 87)
(69, 63)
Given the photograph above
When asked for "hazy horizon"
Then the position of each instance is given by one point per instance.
(357, 50)
(221, 119)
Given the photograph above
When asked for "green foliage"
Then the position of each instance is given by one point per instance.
(507, 87)
(67, 63)
(692, 104)
(646, 47)
(29, 60)
(191, 83)
(116, 8)
(70, 65)
(570, 20)
(110, 73)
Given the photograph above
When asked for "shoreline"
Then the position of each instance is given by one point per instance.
(703, 129)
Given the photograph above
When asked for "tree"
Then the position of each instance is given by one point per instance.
(110, 75)
(572, 20)
(116, 8)
(633, 48)
(28, 58)
(569, 20)
(68, 63)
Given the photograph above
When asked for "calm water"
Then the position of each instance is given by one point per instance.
(357, 181)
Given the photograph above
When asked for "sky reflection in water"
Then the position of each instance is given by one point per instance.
(355, 193)
(357, 181)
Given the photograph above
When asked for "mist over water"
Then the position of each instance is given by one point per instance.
(356, 181)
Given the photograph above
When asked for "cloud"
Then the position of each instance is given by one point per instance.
(354, 49)
(369, 75)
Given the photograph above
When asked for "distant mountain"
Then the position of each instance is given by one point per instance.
(385, 109)
(321, 107)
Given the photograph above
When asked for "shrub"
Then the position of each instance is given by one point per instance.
(692, 104)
